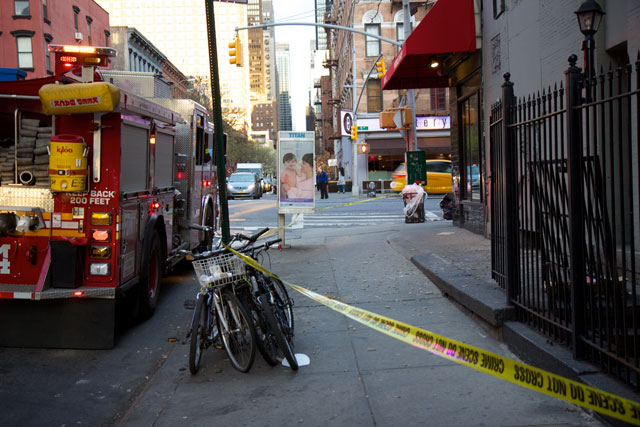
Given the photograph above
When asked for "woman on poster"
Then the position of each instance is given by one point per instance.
(304, 188)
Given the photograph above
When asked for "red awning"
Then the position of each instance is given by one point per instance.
(448, 28)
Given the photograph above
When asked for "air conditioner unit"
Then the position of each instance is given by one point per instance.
(79, 37)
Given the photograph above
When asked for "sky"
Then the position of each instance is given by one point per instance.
(298, 38)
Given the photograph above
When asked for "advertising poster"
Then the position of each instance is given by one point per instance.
(296, 172)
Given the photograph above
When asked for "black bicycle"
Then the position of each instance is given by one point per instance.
(270, 304)
(219, 313)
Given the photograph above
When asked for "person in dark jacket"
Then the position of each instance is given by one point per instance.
(322, 181)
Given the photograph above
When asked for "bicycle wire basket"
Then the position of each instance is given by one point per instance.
(219, 270)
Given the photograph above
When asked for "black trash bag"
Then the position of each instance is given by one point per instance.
(446, 204)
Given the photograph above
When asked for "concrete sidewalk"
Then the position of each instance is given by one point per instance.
(458, 262)
(358, 376)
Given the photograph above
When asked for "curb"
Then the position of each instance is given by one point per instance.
(487, 301)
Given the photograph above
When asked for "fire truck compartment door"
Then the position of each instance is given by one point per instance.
(164, 160)
(78, 98)
(128, 241)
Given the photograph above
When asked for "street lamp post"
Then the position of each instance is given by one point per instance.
(589, 17)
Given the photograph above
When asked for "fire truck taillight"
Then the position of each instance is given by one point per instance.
(99, 269)
(101, 218)
(101, 252)
(101, 235)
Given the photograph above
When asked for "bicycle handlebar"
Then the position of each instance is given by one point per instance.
(200, 227)
(253, 237)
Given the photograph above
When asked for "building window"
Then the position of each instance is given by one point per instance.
(438, 99)
(89, 21)
(374, 96)
(25, 52)
(45, 12)
(21, 8)
(373, 44)
(107, 38)
(76, 12)
(47, 55)
(471, 150)
(400, 31)
(498, 8)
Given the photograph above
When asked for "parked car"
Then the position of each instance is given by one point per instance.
(244, 184)
(439, 177)
(266, 184)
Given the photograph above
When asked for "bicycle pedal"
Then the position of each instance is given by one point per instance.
(190, 304)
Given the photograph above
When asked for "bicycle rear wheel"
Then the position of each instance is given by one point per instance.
(267, 345)
(275, 319)
(198, 334)
(286, 301)
(239, 335)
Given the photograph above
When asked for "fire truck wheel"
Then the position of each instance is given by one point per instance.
(209, 222)
(150, 280)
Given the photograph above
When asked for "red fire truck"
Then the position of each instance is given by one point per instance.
(96, 200)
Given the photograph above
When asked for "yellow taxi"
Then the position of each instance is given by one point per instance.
(439, 177)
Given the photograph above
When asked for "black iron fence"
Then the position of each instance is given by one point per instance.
(565, 213)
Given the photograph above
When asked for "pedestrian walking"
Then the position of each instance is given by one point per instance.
(341, 181)
(322, 181)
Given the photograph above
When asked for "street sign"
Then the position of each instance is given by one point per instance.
(416, 167)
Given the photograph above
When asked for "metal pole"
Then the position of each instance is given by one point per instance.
(355, 186)
(588, 46)
(217, 123)
(411, 99)
(510, 231)
(576, 204)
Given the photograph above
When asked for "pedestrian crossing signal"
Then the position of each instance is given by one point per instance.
(380, 68)
(354, 132)
(235, 52)
(363, 148)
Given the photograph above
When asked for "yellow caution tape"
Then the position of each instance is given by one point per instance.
(276, 230)
(490, 363)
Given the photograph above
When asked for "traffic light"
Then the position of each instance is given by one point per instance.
(363, 148)
(380, 68)
(235, 52)
(354, 132)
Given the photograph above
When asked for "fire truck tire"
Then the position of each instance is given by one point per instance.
(208, 221)
(150, 278)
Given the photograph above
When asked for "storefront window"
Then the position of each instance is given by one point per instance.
(471, 150)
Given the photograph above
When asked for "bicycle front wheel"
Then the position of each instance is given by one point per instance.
(198, 334)
(238, 332)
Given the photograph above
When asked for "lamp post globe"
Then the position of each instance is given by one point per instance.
(589, 16)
